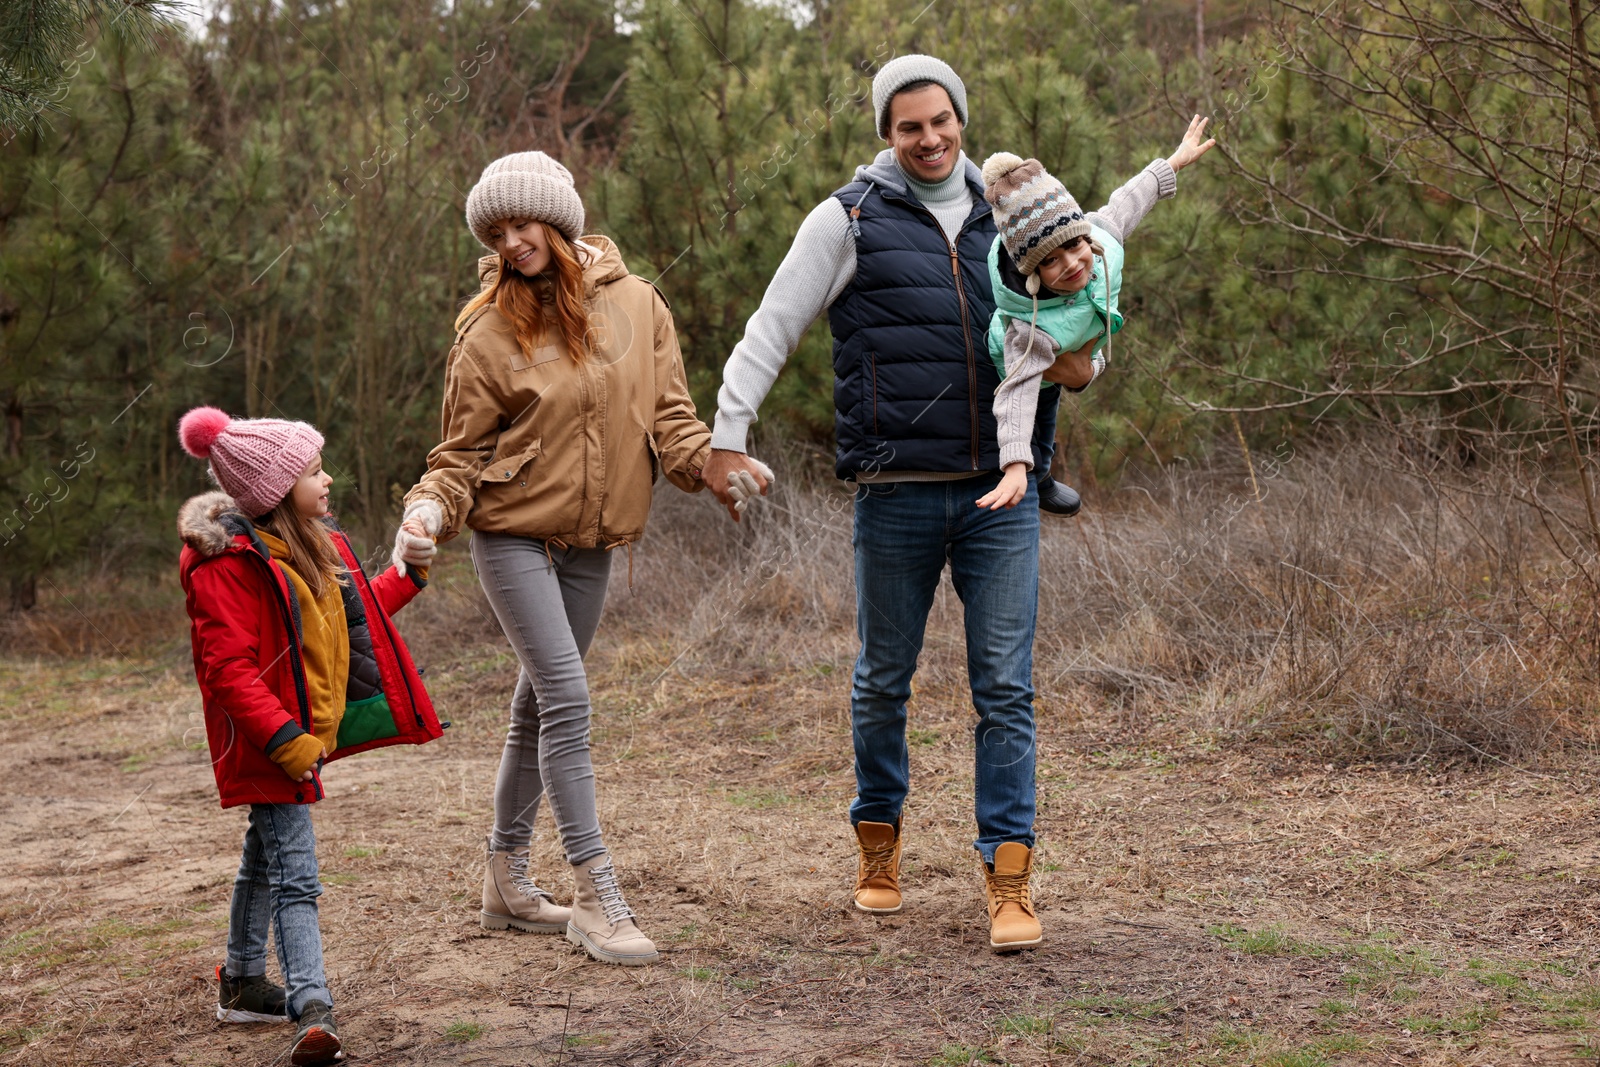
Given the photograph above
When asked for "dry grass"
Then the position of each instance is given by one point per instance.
(1334, 600)
(1227, 873)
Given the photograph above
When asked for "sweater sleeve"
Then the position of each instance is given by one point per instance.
(1131, 203)
(1028, 353)
(820, 263)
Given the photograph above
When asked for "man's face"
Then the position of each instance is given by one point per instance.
(925, 133)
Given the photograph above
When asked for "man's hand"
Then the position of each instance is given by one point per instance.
(1073, 369)
(1191, 148)
(725, 462)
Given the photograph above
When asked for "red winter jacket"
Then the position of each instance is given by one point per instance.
(245, 629)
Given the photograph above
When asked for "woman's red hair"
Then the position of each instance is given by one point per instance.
(533, 308)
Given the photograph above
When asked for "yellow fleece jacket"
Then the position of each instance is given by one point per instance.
(324, 646)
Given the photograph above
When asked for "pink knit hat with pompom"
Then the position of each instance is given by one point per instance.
(256, 461)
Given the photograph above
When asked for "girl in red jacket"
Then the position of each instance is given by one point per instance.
(298, 664)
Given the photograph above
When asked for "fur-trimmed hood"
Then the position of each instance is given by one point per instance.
(208, 523)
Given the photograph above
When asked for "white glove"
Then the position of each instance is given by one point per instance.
(742, 484)
(413, 541)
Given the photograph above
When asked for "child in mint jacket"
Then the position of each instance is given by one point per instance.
(1057, 277)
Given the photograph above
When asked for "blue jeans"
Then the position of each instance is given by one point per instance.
(278, 884)
(905, 532)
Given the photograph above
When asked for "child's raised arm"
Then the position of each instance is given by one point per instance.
(1128, 205)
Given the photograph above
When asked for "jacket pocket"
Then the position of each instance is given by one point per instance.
(872, 367)
(655, 457)
(502, 469)
(543, 354)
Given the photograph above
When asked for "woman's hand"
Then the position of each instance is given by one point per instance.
(724, 469)
(743, 486)
(1191, 148)
(414, 541)
(1009, 493)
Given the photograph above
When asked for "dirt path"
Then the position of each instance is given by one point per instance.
(1203, 905)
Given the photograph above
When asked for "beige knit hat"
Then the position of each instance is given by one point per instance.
(524, 185)
(1032, 210)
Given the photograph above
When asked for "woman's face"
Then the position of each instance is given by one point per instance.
(1066, 269)
(523, 244)
(310, 492)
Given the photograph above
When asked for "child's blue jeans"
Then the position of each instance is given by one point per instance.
(278, 884)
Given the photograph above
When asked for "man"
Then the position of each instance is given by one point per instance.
(898, 259)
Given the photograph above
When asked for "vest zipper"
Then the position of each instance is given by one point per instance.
(966, 328)
(966, 338)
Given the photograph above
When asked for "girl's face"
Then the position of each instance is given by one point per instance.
(523, 244)
(310, 492)
(1066, 269)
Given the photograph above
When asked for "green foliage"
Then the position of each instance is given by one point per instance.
(44, 44)
(268, 218)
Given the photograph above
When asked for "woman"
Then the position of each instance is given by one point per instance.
(565, 399)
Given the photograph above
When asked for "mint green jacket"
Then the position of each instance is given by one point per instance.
(1072, 321)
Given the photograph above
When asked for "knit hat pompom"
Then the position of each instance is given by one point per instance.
(256, 461)
(199, 429)
(997, 165)
(1032, 210)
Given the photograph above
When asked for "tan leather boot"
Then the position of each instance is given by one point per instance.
(1012, 922)
(510, 898)
(602, 923)
(878, 867)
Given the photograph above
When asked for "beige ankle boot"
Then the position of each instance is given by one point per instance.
(878, 867)
(602, 923)
(510, 898)
(1013, 924)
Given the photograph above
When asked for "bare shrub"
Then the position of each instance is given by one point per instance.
(1342, 598)
(1354, 604)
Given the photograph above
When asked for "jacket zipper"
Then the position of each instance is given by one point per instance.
(966, 332)
(296, 665)
(394, 639)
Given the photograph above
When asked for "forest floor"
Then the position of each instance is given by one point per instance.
(1205, 901)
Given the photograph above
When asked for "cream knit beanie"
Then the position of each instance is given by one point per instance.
(524, 185)
(1032, 210)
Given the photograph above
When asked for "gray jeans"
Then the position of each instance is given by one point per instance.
(549, 612)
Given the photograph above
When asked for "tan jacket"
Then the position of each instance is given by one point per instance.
(545, 447)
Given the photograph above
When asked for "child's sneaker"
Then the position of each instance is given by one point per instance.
(1057, 498)
(249, 1000)
(318, 1039)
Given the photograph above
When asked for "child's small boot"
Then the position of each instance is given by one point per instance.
(511, 899)
(1057, 498)
(253, 999)
(602, 923)
(317, 1041)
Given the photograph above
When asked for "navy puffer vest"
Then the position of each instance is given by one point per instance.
(913, 385)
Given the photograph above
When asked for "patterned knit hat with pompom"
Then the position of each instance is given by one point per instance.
(256, 461)
(1033, 211)
(524, 185)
